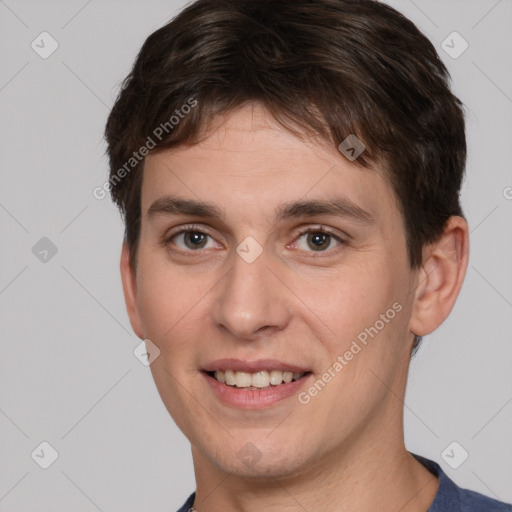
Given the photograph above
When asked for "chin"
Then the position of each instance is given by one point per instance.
(259, 460)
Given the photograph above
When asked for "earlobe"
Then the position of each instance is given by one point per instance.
(130, 291)
(440, 278)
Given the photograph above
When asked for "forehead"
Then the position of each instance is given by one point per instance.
(250, 165)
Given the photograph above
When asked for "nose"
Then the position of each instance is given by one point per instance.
(252, 301)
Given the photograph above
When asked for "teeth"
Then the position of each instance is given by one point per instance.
(276, 377)
(243, 379)
(230, 377)
(258, 380)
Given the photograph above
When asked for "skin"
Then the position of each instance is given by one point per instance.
(344, 450)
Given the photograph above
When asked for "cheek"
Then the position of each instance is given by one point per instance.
(166, 299)
(350, 300)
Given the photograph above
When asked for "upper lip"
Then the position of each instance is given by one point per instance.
(252, 366)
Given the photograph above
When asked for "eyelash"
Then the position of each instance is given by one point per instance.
(313, 254)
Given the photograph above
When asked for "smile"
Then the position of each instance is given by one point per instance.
(257, 380)
(256, 384)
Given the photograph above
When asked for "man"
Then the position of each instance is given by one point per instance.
(289, 174)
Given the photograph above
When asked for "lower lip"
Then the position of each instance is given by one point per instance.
(252, 398)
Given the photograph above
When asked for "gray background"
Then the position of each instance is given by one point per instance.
(68, 374)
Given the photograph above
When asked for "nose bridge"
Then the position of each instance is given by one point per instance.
(252, 298)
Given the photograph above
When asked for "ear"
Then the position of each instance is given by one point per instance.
(130, 291)
(440, 278)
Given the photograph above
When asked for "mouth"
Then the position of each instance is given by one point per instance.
(254, 385)
(255, 381)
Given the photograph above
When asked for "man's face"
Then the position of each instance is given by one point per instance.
(255, 296)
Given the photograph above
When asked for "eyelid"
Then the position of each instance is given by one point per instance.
(184, 227)
(320, 228)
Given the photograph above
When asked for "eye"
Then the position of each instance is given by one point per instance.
(191, 240)
(317, 240)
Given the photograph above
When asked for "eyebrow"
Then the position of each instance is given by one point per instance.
(339, 207)
(169, 205)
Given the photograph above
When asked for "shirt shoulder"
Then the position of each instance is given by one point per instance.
(452, 498)
(473, 501)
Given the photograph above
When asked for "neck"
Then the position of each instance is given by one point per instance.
(367, 476)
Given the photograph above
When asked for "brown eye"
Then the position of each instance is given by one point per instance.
(190, 240)
(317, 241)
(194, 239)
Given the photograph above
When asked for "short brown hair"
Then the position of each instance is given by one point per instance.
(330, 68)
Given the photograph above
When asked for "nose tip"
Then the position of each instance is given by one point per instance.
(247, 326)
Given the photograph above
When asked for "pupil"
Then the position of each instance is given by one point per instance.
(195, 240)
(318, 240)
